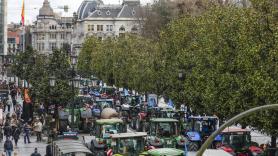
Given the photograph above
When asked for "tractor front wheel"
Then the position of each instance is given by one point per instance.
(193, 146)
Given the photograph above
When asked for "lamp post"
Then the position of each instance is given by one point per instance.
(52, 83)
(75, 83)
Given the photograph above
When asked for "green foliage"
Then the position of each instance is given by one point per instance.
(228, 56)
(36, 69)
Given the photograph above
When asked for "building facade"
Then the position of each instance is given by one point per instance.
(50, 31)
(3, 27)
(94, 18)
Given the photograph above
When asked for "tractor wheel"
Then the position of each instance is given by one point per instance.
(193, 146)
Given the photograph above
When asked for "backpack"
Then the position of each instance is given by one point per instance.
(8, 145)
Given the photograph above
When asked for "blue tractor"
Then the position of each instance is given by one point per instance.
(199, 128)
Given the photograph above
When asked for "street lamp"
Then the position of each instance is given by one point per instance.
(52, 81)
(75, 83)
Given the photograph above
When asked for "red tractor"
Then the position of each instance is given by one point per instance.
(237, 142)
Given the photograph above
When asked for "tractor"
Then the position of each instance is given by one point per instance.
(102, 130)
(199, 128)
(237, 142)
(165, 133)
(101, 104)
(128, 144)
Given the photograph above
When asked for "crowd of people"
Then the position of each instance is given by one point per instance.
(12, 126)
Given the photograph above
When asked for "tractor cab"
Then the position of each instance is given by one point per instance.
(101, 104)
(102, 130)
(238, 142)
(107, 92)
(199, 128)
(164, 132)
(128, 144)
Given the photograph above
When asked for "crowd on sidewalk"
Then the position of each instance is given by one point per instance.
(12, 126)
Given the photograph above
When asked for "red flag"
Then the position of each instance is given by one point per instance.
(27, 98)
(23, 14)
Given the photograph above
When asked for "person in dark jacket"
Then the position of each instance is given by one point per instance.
(16, 135)
(8, 147)
(36, 153)
(48, 150)
(27, 130)
(8, 131)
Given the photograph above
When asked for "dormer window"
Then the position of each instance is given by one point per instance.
(122, 28)
(99, 13)
(133, 12)
(108, 13)
(134, 28)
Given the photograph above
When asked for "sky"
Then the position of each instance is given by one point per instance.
(32, 8)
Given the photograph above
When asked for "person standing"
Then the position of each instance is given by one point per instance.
(27, 130)
(36, 153)
(16, 135)
(8, 147)
(38, 129)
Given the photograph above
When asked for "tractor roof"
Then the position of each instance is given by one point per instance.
(203, 117)
(165, 151)
(108, 121)
(129, 135)
(234, 130)
(163, 120)
(104, 100)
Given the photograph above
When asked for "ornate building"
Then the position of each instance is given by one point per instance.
(50, 30)
(94, 18)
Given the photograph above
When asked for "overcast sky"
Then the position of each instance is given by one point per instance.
(32, 8)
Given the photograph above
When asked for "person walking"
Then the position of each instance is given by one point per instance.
(27, 130)
(7, 130)
(38, 129)
(36, 153)
(16, 135)
(8, 147)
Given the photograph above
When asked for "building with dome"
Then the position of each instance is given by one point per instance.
(94, 18)
(50, 31)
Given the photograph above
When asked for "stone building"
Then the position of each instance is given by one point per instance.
(50, 30)
(94, 18)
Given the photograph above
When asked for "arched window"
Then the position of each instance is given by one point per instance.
(122, 28)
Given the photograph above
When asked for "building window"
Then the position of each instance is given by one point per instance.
(40, 46)
(52, 45)
(62, 36)
(121, 34)
(122, 28)
(99, 27)
(108, 13)
(41, 36)
(53, 36)
(109, 27)
(91, 28)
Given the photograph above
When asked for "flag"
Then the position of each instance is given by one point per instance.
(23, 14)
(27, 98)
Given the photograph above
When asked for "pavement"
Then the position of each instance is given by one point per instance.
(26, 149)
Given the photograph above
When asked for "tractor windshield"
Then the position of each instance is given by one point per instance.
(165, 129)
(237, 140)
(104, 104)
(131, 146)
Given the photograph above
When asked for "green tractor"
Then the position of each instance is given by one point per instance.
(165, 133)
(128, 144)
(164, 152)
(102, 130)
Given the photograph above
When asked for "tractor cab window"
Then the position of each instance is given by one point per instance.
(109, 129)
(130, 146)
(238, 140)
(166, 129)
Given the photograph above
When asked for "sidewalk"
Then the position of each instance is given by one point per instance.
(26, 149)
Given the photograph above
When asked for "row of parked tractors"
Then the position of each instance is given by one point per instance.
(128, 125)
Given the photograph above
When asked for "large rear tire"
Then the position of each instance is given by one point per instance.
(193, 146)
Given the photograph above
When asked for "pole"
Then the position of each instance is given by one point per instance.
(72, 105)
(232, 121)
